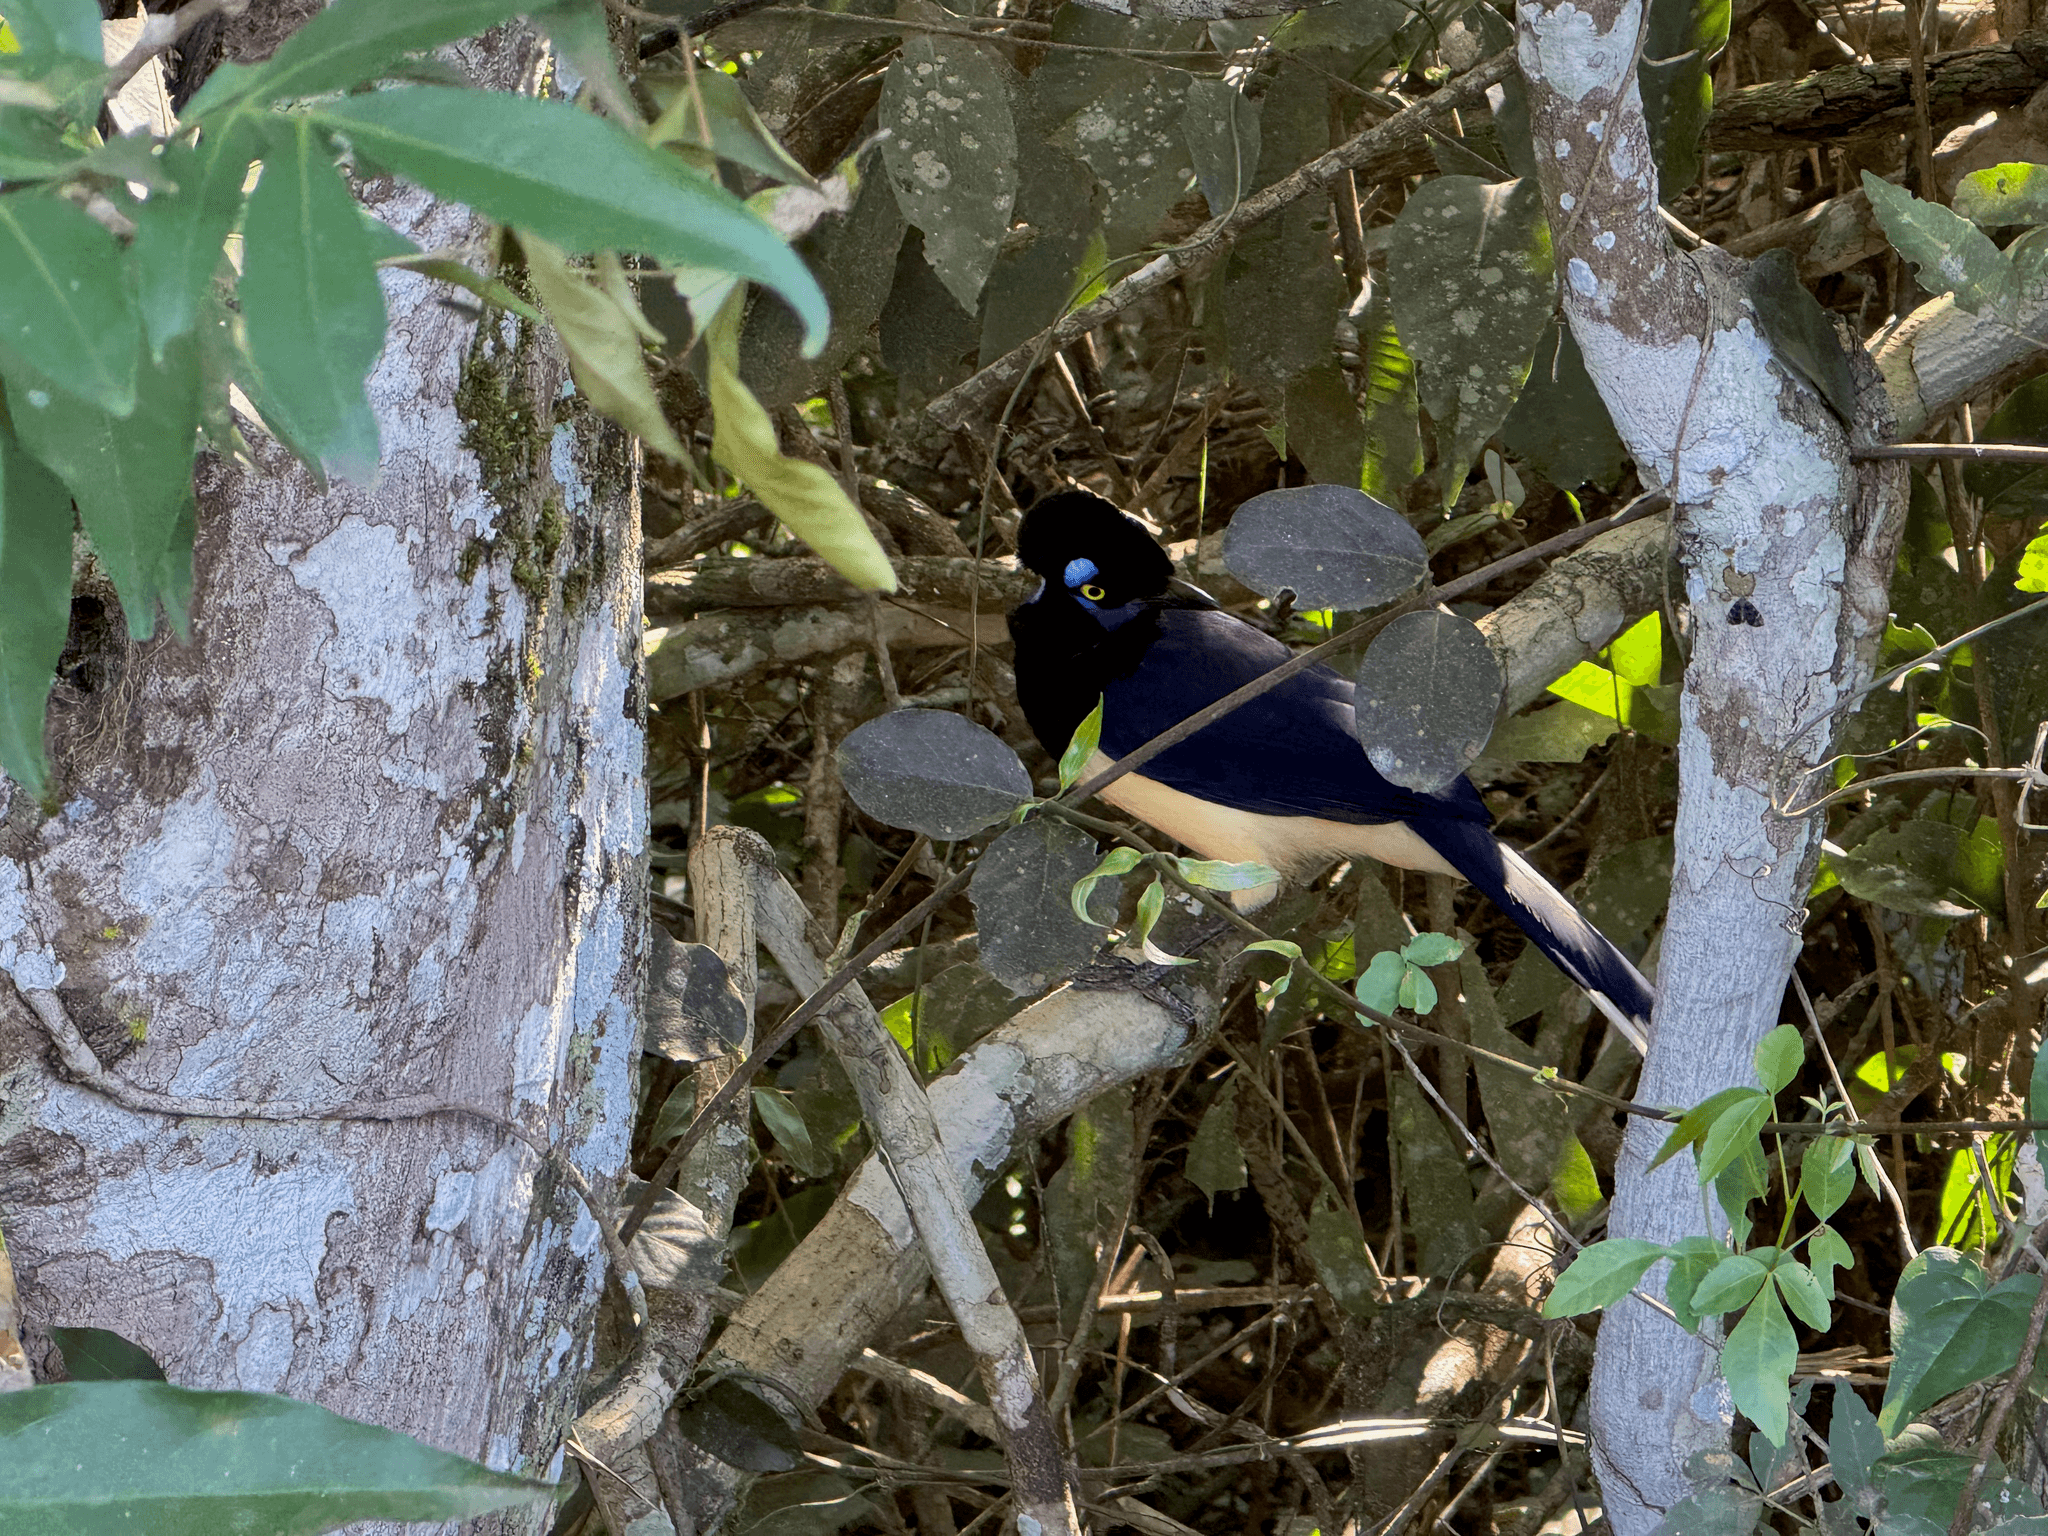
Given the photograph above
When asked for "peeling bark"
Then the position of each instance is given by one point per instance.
(375, 833)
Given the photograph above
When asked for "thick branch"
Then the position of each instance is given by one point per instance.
(1865, 101)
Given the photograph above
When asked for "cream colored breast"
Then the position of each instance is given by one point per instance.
(1296, 846)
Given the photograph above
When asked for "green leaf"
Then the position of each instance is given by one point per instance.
(1757, 1363)
(952, 154)
(1854, 1440)
(1601, 1275)
(1637, 653)
(1948, 252)
(1115, 864)
(1282, 295)
(1925, 867)
(578, 181)
(132, 478)
(1560, 426)
(2033, 569)
(105, 1456)
(70, 27)
(96, 1354)
(1221, 875)
(1081, 746)
(1801, 333)
(2002, 195)
(808, 500)
(1441, 1211)
(1150, 905)
(1732, 1135)
(1692, 1260)
(1779, 1056)
(1216, 1156)
(1731, 1283)
(1393, 432)
(1560, 733)
(1379, 985)
(1951, 1328)
(1697, 1121)
(65, 308)
(1474, 285)
(1826, 1252)
(312, 305)
(1418, 992)
(1432, 949)
(2011, 490)
(1337, 1250)
(1285, 947)
(1803, 1294)
(790, 1133)
(2037, 1092)
(349, 44)
(1827, 1174)
(1129, 127)
(705, 109)
(179, 236)
(604, 346)
(1681, 40)
(35, 605)
(1575, 1183)
(1651, 711)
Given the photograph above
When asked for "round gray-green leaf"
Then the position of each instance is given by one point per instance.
(693, 1011)
(932, 772)
(1428, 690)
(1029, 935)
(1333, 547)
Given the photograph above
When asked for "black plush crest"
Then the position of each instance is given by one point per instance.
(1079, 523)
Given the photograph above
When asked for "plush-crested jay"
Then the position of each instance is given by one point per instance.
(1281, 780)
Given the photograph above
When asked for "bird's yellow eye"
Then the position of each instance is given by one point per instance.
(1093, 593)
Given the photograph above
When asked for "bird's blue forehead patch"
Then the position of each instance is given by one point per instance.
(1080, 570)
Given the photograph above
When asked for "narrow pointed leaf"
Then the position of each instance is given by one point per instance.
(178, 237)
(65, 308)
(578, 181)
(146, 1456)
(35, 605)
(349, 44)
(131, 477)
(312, 305)
(603, 344)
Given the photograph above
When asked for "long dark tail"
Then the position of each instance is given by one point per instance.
(1543, 912)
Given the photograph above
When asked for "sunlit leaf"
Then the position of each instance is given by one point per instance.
(576, 180)
(604, 346)
(805, 497)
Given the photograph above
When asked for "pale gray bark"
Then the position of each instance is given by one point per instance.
(375, 833)
(1771, 511)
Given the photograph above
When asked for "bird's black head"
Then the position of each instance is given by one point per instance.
(1086, 548)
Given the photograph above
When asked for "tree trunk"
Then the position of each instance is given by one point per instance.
(367, 847)
(1787, 555)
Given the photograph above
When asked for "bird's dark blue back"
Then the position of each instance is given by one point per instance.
(1289, 752)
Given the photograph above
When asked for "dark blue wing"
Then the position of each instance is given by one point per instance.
(1290, 752)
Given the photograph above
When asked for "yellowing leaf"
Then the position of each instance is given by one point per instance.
(804, 496)
(603, 344)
